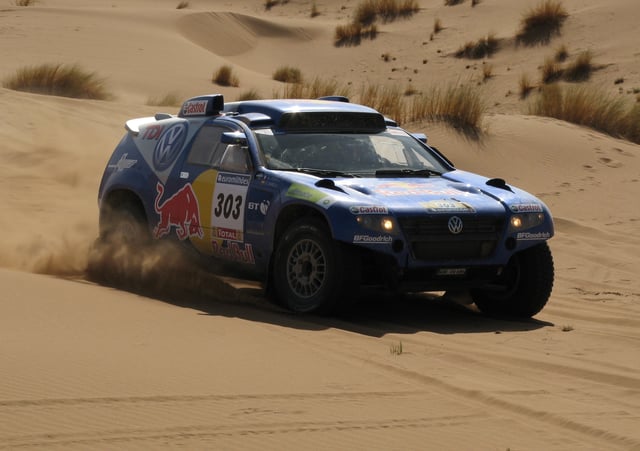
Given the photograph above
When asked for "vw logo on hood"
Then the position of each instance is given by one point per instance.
(455, 225)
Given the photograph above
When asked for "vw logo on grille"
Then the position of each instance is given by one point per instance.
(455, 225)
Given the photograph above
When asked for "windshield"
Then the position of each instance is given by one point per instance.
(355, 154)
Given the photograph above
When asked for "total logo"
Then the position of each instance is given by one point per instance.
(169, 145)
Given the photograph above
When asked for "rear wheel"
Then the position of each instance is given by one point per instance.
(311, 272)
(527, 282)
(115, 256)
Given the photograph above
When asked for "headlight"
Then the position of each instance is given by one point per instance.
(385, 224)
(525, 221)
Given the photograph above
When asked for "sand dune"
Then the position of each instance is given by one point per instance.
(195, 361)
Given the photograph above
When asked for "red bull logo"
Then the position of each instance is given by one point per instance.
(180, 211)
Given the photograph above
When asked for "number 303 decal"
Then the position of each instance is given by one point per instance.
(228, 205)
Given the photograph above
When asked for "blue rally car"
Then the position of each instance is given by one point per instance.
(318, 198)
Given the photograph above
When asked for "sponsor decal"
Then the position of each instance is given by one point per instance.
(180, 211)
(372, 239)
(153, 132)
(527, 236)
(262, 207)
(228, 203)
(455, 225)
(414, 189)
(234, 251)
(526, 208)
(447, 206)
(369, 210)
(194, 107)
(227, 234)
(304, 192)
(169, 145)
(233, 179)
(123, 163)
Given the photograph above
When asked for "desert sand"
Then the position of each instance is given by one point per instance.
(85, 366)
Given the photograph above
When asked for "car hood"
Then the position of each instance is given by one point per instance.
(463, 193)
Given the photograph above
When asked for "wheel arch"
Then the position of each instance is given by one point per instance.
(118, 198)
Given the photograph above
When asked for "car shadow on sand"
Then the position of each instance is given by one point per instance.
(167, 277)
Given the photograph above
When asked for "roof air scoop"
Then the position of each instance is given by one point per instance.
(499, 183)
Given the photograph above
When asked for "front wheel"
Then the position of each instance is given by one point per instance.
(526, 285)
(311, 272)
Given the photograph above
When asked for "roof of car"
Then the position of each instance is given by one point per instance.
(276, 108)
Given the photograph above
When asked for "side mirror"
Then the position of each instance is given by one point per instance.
(420, 137)
(234, 138)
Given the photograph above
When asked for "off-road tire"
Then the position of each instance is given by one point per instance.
(528, 282)
(311, 272)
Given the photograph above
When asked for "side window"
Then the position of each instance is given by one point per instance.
(207, 148)
(235, 159)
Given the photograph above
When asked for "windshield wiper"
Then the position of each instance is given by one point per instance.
(406, 172)
(321, 172)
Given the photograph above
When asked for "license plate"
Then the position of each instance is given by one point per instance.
(451, 272)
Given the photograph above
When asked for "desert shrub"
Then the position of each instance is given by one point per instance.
(312, 90)
(366, 12)
(550, 71)
(486, 46)
(591, 107)
(525, 86)
(58, 80)
(487, 71)
(452, 2)
(182, 5)
(250, 94)
(25, 2)
(541, 22)
(386, 99)
(474, 2)
(169, 99)
(314, 10)
(581, 68)
(562, 53)
(437, 26)
(224, 76)
(349, 34)
(460, 105)
(288, 74)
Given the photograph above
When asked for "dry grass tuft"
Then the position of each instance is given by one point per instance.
(550, 71)
(486, 46)
(58, 80)
(581, 68)
(591, 107)
(541, 22)
(312, 90)
(525, 86)
(25, 2)
(461, 106)
(437, 26)
(224, 76)
(315, 12)
(288, 74)
(386, 99)
(250, 94)
(182, 5)
(169, 99)
(366, 14)
(452, 2)
(562, 53)
(487, 71)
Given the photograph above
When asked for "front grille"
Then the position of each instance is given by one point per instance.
(430, 239)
